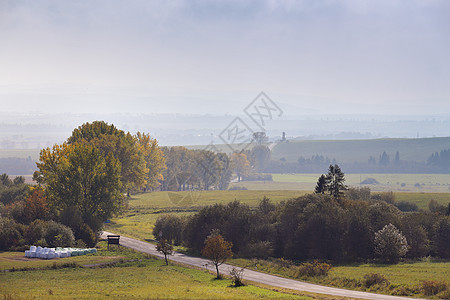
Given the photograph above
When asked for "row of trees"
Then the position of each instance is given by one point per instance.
(437, 162)
(315, 226)
(195, 169)
(188, 169)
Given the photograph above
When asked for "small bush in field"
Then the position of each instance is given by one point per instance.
(431, 287)
(374, 279)
(236, 277)
(313, 269)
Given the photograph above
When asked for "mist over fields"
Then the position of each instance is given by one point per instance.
(38, 130)
(314, 141)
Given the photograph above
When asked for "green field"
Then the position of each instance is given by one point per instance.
(17, 260)
(146, 278)
(405, 278)
(417, 183)
(145, 208)
(349, 151)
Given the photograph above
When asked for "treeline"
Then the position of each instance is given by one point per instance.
(188, 169)
(195, 169)
(314, 226)
(438, 162)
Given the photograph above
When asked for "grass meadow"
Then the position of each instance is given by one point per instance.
(142, 279)
(405, 278)
(414, 183)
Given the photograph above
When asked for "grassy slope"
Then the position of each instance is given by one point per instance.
(360, 150)
(148, 278)
(403, 273)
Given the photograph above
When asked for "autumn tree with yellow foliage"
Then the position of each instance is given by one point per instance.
(85, 178)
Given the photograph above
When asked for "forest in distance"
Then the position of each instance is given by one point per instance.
(407, 156)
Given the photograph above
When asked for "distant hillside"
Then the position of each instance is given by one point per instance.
(350, 151)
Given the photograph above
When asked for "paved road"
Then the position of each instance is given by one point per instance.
(253, 275)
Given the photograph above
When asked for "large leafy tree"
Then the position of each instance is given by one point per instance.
(123, 146)
(153, 157)
(80, 176)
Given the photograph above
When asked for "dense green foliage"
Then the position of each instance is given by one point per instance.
(316, 226)
(81, 183)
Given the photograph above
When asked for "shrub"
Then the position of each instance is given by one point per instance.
(388, 197)
(431, 287)
(313, 269)
(390, 244)
(441, 238)
(80, 244)
(59, 235)
(35, 231)
(362, 193)
(374, 279)
(261, 249)
(406, 206)
(14, 211)
(236, 277)
(87, 235)
(11, 234)
(170, 227)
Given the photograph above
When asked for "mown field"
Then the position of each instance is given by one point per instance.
(145, 277)
(417, 183)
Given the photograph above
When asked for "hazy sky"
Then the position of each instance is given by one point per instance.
(384, 57)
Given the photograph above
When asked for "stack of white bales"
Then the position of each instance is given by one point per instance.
(50, 253)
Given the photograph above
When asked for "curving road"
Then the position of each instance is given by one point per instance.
(252, 275)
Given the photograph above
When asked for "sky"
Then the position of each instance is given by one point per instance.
(214, 57)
